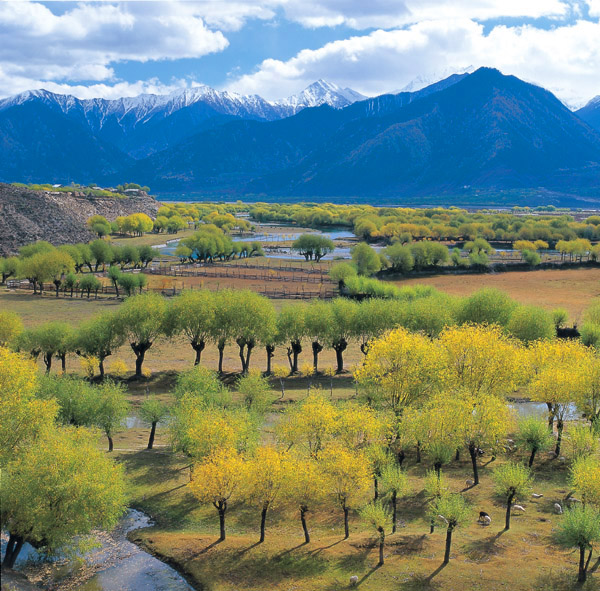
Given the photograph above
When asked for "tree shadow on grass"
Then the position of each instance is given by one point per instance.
(564, 580)
(483, 550)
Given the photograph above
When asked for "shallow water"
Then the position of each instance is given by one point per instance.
(539, 409)
(120, 565)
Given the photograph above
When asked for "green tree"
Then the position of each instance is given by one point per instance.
(59, 490)
(533, 435)
(142, 320)
(111, 409)
(512, 481)
(394, 484)
(89, 283)
(291, 327)
(341, 272)
(114, 274)
(580, 528)
(342, 328)
(11, 326)
(50, 339)
(312, 246)
(530, 323)
(255, 391)
(453, 510)
(318, 319)
(377, 516)
(400, 257)
(8, 268)
(101, 252)
(366, 259)
(152, 411)
(98, 337)
(486, 306)
(193, 315)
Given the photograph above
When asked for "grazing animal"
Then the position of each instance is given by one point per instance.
(469, 482)
(443, 519)
(573, 500)
(558, 509)
(518, 508)
(353, 580)
(484, 518)
(537, 496)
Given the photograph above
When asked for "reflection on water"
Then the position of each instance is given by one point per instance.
(539, 409)
(267, 237)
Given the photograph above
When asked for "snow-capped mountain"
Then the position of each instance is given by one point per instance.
(424, 80)
(320, 93)
(144, 107)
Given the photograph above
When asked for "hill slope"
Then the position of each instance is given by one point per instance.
(59, 218)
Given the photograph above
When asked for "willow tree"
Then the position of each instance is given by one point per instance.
(291, 326)
(217, 480)
(348, 478)
(142, 320)
(318, 318)
(342, 328)
(512, 482)
(98, 337)
(453, 510)
(481, 360)
(58, 491)
(401, 369)
(193, 315)
(23, 416)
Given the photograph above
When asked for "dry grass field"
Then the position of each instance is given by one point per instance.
(572, 289)
(483, 558)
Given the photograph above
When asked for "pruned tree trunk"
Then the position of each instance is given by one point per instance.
(381, 545)
(582, 576)
(221, 348)
(296, 349)
(263, 519)
(270, 349)
(140, 353)
(532, 456)
(63, 362)
(152, 434)
(101, 367)
(48, 362)
(473, 454)
(550, 417)
(340, 347)
(13, 548)
(559, 429)
(346, 527)
(222, 508)
(509, 501)
(198, 346)
(110, 442)
(394, 511)
(303, 510)
(316, 349)
(448, 545)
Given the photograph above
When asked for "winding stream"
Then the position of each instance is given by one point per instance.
(117, 565)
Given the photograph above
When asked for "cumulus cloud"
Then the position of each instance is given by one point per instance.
(83, 42)
(565, 59)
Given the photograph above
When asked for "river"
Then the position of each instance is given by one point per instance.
(117, 565)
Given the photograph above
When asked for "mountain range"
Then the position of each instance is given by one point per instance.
(472, 131)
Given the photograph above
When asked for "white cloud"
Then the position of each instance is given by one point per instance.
(362, 14)
(83, 42)
(594, 7)
(564, 59)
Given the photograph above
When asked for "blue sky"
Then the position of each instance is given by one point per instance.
(277, 47)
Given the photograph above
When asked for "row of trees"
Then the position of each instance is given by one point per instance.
(397, 224)
(41, 262)
(210, 243)
(248, 320)
(135, 224)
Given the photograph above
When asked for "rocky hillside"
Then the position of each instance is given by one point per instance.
(59, 218)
